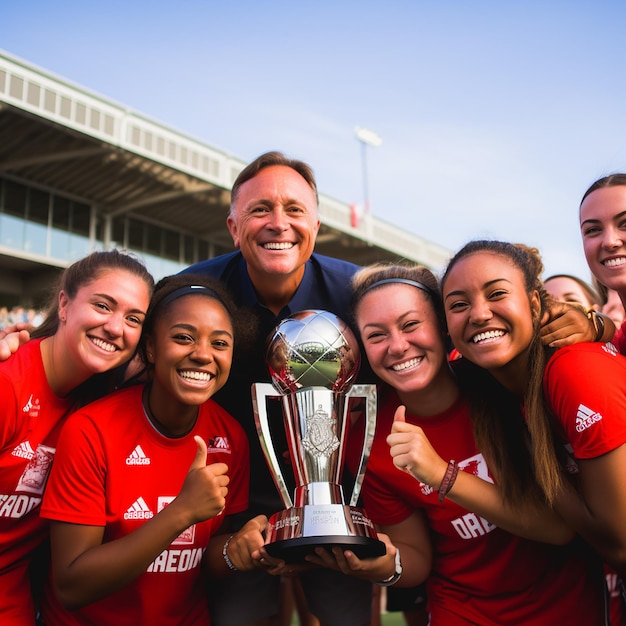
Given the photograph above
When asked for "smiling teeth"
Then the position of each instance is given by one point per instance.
(104, 345)
(278, 246)
(615, 262)
(491, 334)
(404, 366)
(201, 376)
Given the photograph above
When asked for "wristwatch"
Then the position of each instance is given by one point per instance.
(395, 577)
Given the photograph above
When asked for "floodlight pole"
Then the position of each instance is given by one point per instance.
(366, 138)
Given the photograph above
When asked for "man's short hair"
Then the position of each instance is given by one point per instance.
(269, 159)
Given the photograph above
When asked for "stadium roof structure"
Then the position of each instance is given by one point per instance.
(59, 136)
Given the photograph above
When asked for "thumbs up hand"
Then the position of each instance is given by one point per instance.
(203, 493)
(413, 453)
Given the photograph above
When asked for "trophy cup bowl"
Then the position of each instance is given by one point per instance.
(313, 359)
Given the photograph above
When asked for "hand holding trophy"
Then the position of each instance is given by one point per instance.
(313, 358)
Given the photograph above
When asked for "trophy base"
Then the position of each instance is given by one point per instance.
(295, 532)
(294, 550)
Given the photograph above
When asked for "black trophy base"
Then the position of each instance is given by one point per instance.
(295, 532)
(294, 550)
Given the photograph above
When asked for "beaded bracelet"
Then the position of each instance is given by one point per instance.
(448, 480)
(230, 564)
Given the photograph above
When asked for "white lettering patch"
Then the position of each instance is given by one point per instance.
(172, 561)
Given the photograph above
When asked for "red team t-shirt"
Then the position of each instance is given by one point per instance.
(30, 420)
(591, 413)
(586, 387)
(619, 339)
(481, 574)
(114, 469)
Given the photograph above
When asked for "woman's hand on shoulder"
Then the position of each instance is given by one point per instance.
(12, 337)
(568, 323)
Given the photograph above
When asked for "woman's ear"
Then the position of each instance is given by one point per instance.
(150, 350)
(535, 304)
(63, 303)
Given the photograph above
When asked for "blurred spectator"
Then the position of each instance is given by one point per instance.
(4, 317)
(18, 313)
(568, 288)
(611, 303)
(34, 317)
(614, 308)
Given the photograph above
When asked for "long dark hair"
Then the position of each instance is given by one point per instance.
(502, 432)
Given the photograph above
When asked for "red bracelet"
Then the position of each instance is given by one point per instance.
(448, 480)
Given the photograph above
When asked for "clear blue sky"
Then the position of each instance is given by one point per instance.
(495, 116)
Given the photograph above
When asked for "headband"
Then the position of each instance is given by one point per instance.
(190, 289)
(404, 281)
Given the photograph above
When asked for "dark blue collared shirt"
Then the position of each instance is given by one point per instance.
(325, 285)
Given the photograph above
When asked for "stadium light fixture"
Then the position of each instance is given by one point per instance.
(367, 138)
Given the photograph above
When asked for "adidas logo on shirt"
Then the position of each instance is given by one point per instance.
(138, 457)
(138, 510)
(610, 348)
(585, 418)
(23, 451)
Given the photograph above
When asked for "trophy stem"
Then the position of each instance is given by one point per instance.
(319, 493)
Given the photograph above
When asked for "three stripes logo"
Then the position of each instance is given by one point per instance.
(23, 450)
(138, 510)
(138, 457)
(586, 417)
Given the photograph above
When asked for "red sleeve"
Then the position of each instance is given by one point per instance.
(382, 504)
(586, 387)
(76, 489)
(8, 411)
(619, 339)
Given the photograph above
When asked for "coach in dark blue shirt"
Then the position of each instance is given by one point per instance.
(274, 222)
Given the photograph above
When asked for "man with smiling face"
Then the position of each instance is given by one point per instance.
(274, 221)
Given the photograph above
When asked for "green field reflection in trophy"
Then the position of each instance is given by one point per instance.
(313, 358)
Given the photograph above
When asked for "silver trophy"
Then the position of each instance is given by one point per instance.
(313, 358)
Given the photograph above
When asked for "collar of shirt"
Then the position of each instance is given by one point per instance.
(299, 302)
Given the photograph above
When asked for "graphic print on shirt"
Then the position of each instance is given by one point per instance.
(173, 560)
(32, 481)
(218, 443)
(469, 525)
(473, 465)
(35, 475)
(188, 535)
